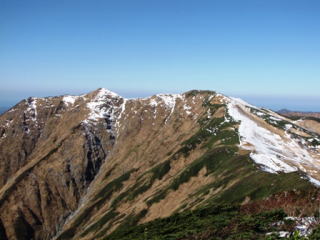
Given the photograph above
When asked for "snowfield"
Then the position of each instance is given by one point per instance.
(274, 151)
(70, 100)
(97, 106)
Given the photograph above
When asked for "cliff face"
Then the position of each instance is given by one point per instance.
(49, 156)
(79, 167)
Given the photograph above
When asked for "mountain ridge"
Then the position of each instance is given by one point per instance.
(101, 161)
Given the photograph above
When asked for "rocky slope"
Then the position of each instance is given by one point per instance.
(308, 120)
(81, 167)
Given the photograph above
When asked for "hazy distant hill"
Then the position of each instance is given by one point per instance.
(293, 114)
(99, 166)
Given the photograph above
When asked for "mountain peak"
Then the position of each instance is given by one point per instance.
(99, 160)
(105, 92)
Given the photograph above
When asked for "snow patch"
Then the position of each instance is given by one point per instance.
(153, 102)
(122, 110)
(70, 100)
(8, 123)
(288, 126)
(303, 224)
(314, 181)
(274, 119)
(106, 105)
(260, 114)
(31, 111)
(187, 109)
(106, 92)
(282, 234)
(169, 101)
(241, 102)
(97, 106)
(273, 152)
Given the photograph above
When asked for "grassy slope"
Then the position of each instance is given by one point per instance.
(212, 222)
(220, 222)
(227, 166)
(236, 176)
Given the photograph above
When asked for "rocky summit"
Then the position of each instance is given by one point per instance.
(197, 165)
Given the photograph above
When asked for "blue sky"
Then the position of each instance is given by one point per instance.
(266, 52)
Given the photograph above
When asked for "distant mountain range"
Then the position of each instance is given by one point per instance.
(298, 114)
(197, 165)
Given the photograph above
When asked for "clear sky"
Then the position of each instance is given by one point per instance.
(266, 51)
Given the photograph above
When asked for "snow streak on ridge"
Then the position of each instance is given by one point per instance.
(275, 152)
(98, 106)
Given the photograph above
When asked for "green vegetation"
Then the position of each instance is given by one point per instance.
(302, 118)
(113, 186)
(128, 222)
(211, 132)
(312, 141)
(235, 177)
(211, 161)
(211, 129)
(104, 194)
(109, 217)
(282, 125)
(108, 174)
(295, 118)
(101, 222)
(278, 123)
(210, 222)
(258, 185)
(315, 234)
(84, 216)
(313, 118)
(157, 173)
(238, 177)
(226, 137)
(144, 182)
(315, 142)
